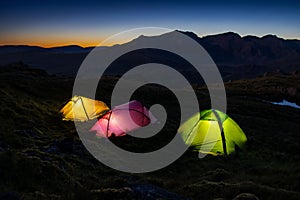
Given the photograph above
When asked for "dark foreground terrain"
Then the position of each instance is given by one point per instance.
(42, 157)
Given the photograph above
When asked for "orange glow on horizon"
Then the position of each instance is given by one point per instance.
(49, 44)
(48, 41)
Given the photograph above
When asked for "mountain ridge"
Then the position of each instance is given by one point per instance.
(189, 33)
(237, 57)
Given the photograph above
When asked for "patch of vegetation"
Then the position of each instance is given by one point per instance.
(42, 157)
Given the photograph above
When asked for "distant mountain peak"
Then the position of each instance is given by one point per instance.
(146, 37)
(225, 35)
(229, 34)
(270, 36)
(141, 36)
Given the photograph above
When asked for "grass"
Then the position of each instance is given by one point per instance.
(41, 156)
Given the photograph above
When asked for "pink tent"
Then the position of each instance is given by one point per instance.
(123, 118)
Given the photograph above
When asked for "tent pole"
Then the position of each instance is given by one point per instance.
(108, 120)
(84, 109)
(222, 132)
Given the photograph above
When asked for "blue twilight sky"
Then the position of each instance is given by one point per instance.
(85, 23)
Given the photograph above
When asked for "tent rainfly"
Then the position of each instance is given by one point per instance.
(123, 118)
(212, 132)
(83, 109)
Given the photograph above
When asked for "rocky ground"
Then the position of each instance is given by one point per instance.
(42, 157)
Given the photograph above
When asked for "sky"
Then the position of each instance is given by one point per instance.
(86, 23)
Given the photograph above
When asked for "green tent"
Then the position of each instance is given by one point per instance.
(212, 132)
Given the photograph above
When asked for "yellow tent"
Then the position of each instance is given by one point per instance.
(82, 109)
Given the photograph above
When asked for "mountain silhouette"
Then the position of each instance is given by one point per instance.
(236, 57)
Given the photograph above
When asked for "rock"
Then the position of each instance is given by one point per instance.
(26, 133)
(276, 72)
(246, 196)
(53, 149)
(66, 146)
(40, 195)
(3, 146)
(296, 74)
(9, 196)
(150, 192)
(216, 175)
(112, 193)
(292, 91)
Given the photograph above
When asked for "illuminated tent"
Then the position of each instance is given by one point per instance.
(82, 109)
(123, 118)
(212, 132)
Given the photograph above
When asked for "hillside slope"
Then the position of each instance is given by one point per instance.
(41, 156)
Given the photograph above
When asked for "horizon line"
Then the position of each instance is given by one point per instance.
(119, 43)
